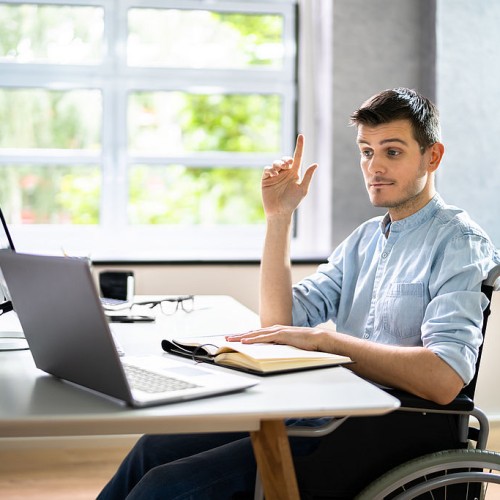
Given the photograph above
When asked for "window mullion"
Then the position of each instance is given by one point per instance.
(114, 134)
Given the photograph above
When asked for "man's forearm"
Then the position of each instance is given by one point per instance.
(275, 274)
(415, 369)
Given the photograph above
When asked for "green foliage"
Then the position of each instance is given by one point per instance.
(37, 118)
(256, 31)
(49, 33)
(262, 28)
(203, 39)
(52, 194)
(176, 194)
(178, 122)
(243, 123)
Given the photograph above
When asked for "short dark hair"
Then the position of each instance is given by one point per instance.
(402, 104)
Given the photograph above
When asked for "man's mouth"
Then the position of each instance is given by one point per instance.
(379, 184)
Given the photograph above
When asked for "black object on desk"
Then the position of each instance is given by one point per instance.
(130, 318)
(117, 285)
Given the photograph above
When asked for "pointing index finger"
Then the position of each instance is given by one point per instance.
(297, 155)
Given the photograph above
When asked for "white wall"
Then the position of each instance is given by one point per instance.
(377, 44)
(468, 97)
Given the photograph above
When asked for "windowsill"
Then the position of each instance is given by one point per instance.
(234, 245)
(215, 261)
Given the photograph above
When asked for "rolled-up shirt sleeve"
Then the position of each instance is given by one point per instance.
(453, 318)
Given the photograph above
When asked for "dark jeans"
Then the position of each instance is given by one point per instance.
(221, 466)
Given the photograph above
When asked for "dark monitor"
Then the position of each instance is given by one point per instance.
(9, 341)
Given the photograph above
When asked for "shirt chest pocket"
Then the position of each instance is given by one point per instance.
(402, 310)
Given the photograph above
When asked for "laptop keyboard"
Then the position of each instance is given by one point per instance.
(114, 304)
(152, 383)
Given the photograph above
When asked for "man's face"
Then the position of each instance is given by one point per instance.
(396, 172)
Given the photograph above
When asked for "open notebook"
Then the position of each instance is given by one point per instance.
(259, 359)
(69, 336)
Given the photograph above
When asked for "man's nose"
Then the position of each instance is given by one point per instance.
(376, 165)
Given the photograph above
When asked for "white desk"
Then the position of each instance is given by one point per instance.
(33, 403)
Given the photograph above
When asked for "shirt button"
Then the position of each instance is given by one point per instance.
(384, 255)
(366, 336)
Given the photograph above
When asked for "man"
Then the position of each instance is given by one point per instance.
(403, 292)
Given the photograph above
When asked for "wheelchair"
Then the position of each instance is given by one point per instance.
(462, 473)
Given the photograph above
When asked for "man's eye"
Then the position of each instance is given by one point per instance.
(367, 153)
(393, 152)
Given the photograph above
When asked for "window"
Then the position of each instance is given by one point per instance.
(139, 129)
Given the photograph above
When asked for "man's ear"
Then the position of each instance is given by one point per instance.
(436, 152)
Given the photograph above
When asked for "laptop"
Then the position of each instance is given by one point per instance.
(68, 334)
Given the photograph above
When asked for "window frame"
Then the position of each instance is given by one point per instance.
(116, 80)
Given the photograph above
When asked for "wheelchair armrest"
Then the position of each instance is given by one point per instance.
(461, 404)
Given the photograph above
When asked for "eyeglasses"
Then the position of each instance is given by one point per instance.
(171, 305)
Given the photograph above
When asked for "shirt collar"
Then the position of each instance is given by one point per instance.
(414, 220)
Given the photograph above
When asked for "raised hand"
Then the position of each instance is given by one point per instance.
(282, 186)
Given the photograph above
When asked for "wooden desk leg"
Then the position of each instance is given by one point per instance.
(274, 460)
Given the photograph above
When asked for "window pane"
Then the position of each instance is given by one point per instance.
(177, 122)
(51, 194)
(51, 34)
(37, 118)
(204, 39)
(176, 194)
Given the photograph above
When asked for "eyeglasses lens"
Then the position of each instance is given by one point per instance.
(170, 307)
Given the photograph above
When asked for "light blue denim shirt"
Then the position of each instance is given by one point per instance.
(419, 286)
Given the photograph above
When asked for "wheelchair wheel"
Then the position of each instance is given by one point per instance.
(452, 474)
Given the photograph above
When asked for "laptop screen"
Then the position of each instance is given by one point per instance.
(5, 244)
